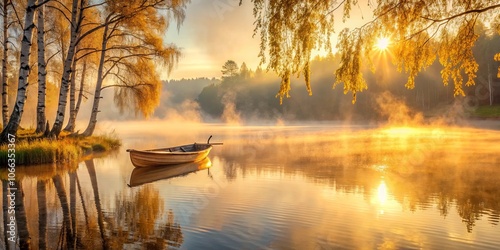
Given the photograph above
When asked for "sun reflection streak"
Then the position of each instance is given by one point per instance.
(381, 198)
(382, 193)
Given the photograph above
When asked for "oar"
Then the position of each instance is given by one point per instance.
(215, 143)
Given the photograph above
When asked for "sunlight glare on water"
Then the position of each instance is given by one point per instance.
(288, 187)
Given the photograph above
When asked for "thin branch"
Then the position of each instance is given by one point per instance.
(42, 3)
(462, 14)
(17, 16)
(63, 5)
(11, 23)
(433, 34)
(87, 54)
(125, 86)
(62, 12)
(53, 55)
(94, 5)
(112, 19)
(334, 9)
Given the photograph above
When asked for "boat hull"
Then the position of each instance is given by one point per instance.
(169, 156)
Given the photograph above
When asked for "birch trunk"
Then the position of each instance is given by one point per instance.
(5, 85)
(42, 73)
(24, 70)
(68, 62)
(97, 95)
(71, 125)
(72, 115)
(80, 91)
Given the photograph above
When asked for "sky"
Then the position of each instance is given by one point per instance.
(213, 32)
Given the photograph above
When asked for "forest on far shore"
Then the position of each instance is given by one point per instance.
(250, 95)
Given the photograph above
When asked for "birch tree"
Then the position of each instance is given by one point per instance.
(74, 113)
(77, 16)
(132, 45)
(72, 101)
(24, 70)
(42, 73)
(86, 54)
(5, 85)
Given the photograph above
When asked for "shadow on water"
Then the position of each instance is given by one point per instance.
(450, 172)
(141, 176)
(84, 224)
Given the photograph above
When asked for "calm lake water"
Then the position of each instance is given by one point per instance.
(328, 186)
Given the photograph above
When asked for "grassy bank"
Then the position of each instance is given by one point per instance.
(487, 112)
(29, 150)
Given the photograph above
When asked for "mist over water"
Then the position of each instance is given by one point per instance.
(403, 181)
(281, 185)
(339, 184)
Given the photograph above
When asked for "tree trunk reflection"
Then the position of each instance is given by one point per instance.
(22, 222)
(42, 214)
(95, 188)
(61, 193)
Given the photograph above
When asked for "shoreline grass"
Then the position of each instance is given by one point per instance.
(487, 112)
(30, 150)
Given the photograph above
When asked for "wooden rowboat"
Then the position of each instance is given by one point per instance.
(145, 175)
(168, 156)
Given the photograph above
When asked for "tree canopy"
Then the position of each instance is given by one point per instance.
(123, 43)
(229, 69)
(420, 32)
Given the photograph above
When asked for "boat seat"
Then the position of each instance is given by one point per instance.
(183, 150)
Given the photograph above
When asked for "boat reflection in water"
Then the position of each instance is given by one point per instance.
(145, 175)
(287, 188)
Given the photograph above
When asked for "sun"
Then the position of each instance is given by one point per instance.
(382, 43)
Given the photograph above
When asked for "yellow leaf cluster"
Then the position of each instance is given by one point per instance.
(421, 32)
(289, 32)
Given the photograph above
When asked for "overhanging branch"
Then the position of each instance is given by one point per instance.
(462, 14)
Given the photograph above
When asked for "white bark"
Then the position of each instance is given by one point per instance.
(42, 73)
(70, 127)
(97, 95)
(5, 85)
(74, 114)
(80, 90)
(24, 71)
(76, 17)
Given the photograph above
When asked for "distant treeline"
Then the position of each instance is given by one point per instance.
(251, 95)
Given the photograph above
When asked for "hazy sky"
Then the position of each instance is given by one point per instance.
(214, 31)
(219, 30)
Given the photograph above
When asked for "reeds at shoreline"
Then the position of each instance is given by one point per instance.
(30, 151)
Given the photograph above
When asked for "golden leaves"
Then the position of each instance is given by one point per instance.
(284, 87)
(139, 87)
(136, 50)
(349, 73)
(455, 54)
(422, 32)
(497, 58)
(289, 32)
(413, 56)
